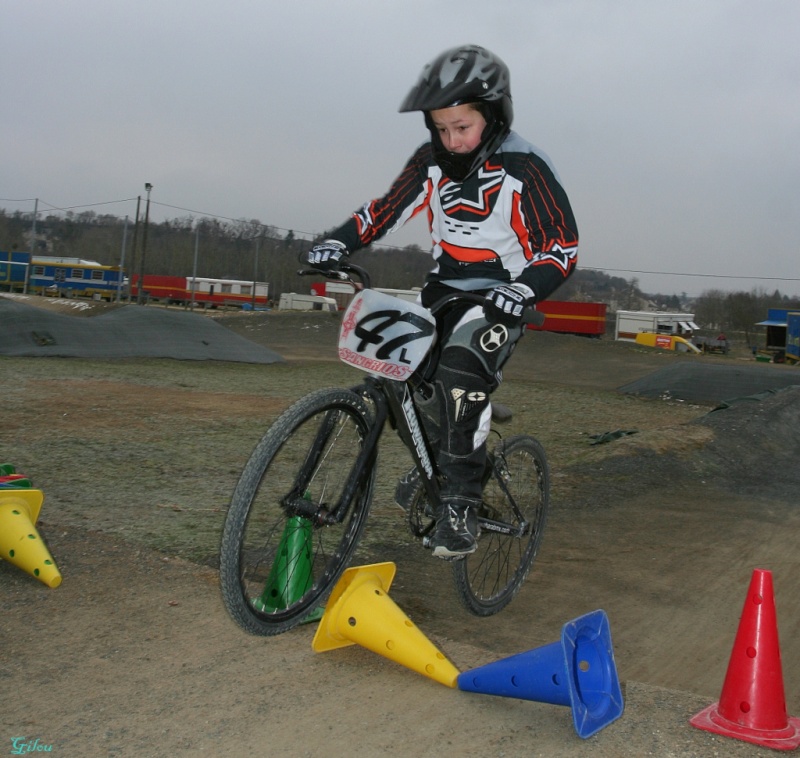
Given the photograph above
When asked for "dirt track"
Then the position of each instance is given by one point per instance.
(134, 655)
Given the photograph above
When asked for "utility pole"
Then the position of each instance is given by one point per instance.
(148, 187)
(255, 269)
(194, 267)
(122, 260)
(135, 240)
(33, 246)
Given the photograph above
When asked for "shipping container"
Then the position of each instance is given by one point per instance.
(13, 269)
(584, 319)
(793, 337)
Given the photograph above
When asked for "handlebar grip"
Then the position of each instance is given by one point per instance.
(533, 317)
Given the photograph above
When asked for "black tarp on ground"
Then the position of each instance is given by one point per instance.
(707, 383)
(130, 331)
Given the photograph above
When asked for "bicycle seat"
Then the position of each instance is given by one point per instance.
(501, 414)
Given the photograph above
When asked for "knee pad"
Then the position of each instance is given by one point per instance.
(491, 345)
(465, 409)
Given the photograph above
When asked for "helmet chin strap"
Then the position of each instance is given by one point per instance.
(459, 166)
(456, 166)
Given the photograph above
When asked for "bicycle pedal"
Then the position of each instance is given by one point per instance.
(426, 543)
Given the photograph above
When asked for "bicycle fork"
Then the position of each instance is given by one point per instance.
(297, 501)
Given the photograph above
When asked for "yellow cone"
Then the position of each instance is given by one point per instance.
(361, 612)
(20, 543)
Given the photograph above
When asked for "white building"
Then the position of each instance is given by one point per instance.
(631, 323)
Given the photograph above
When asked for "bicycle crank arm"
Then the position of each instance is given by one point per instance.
(502, 528)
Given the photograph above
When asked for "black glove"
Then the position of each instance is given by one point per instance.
(506, 304)
(327, 256)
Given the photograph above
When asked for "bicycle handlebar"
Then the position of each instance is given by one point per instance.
(342, 274)
(531, 316)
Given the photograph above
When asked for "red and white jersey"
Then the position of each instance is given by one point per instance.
(509, 221)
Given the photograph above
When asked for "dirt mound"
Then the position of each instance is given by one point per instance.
(127, 331)
(749, 447)
(711, 383)
(756, 445)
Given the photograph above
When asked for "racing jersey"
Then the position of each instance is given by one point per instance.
(508, 221)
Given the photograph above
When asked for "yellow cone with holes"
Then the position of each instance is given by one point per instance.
(361, 612)
(20, 543)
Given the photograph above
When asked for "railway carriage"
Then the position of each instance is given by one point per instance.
(214, 292)
(59, 277)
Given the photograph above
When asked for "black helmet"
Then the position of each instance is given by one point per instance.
(466, 74)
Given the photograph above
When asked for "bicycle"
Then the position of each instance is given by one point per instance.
(301, 503)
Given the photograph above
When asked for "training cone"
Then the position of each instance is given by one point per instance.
(15, 482)
(20, 543)
(290, 576)
(578, 671)
(361, 612)
(752, 706)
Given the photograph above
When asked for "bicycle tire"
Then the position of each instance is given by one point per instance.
(488, 579)
(277, 567)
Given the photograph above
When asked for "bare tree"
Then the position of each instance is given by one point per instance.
(711, 310)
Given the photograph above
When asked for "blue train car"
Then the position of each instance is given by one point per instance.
(793, 337)
(13, 267)
(74, 277)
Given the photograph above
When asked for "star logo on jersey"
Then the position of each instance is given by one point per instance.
(563, 257)
(476, 196)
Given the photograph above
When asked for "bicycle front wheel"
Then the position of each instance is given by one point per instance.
(282, 547)
(516, 501)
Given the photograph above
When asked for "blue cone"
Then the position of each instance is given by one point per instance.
(577, 671)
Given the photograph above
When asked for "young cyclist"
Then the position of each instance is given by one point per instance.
(501, 225)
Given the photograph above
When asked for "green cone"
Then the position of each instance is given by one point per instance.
(291, 573)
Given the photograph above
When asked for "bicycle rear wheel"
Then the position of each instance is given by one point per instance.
(280, 553)
(516, 495)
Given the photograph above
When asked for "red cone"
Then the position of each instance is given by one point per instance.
(752, 706)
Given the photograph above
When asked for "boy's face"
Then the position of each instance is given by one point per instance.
(460, 127)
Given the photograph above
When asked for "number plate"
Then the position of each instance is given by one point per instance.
(384, 335)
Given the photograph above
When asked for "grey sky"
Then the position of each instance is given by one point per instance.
(674, 126)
